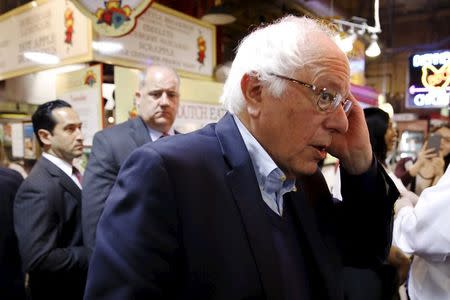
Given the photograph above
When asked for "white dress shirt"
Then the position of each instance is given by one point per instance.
(424, 230)
(64, 166)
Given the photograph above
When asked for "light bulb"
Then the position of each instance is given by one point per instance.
(373, 50)
(41, 58)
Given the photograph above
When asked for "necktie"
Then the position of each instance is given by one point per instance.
(77, 174)
(163, 135)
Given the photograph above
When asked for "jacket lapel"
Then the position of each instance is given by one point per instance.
(65, 181)
(247, 195)
(139, 132)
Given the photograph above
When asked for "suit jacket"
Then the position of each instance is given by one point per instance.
(11, 275)
(186, 220)
(47, 220)
(109, 150)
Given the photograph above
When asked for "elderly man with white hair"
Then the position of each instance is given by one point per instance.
(239, 209)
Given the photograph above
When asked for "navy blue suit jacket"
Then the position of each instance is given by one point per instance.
(185, 220)
(11, 276)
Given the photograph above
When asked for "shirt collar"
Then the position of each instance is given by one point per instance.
(270, 178)
(155, 134)
(63, 165)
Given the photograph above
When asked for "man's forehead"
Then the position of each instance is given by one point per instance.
(65, 115)
(161, 83)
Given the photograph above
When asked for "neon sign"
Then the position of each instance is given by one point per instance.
(429, 80)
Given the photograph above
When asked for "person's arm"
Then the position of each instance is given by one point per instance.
(98, 180)
(407, 173)
(365, 216)
(365, 231)
(136, 246)
(438, 166)
(36, 226)
(423, 230)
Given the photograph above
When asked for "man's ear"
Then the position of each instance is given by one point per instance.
(44, 136)
(137, 98)
(251, 89)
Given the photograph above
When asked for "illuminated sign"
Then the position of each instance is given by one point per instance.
(429, 79)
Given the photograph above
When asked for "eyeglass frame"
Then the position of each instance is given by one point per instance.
(332, 106)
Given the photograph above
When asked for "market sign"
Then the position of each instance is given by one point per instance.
(51, 28)
(429, 79)
(113, 17)
(83, 90)
(166, 37)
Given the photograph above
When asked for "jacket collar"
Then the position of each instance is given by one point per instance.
(244, 187)
(64, 180)
(139, 132)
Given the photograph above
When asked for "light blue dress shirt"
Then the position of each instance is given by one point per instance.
(155, 134)
(272, 181)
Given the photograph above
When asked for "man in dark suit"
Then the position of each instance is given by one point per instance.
(11, 276)
(47, 208)
(239, 209)
(157, 102)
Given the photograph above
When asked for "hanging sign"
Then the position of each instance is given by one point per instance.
(56, 28)
(113, 17)
(83, 90)
(167, 37)
(429, 79)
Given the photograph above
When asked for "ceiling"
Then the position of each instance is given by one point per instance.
(407, 25)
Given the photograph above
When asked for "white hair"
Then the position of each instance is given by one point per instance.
(281, 48)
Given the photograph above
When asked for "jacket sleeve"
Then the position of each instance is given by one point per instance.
(367, 216)
(136, 248)
(423, 230)
(98, 180)
(36, 226)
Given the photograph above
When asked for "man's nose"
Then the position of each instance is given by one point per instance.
(164, 99)
(337, 120)
(79, 134)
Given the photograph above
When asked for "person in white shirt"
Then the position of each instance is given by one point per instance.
(422, 229)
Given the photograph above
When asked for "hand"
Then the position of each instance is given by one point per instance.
(412, 197)
(400, 261)
(423, 157)
(353, 147)
(401, 202)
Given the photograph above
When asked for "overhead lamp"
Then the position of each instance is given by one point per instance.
(219, 14)
(42, 58)
(374, 49)
(106, 47)
(63, 69)
(347, 42)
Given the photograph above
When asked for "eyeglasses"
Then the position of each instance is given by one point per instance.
(326, 101)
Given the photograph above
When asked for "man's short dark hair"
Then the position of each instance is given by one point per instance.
(43, 118)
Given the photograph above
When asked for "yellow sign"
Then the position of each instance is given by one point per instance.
(433, 77)
(113, 17)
